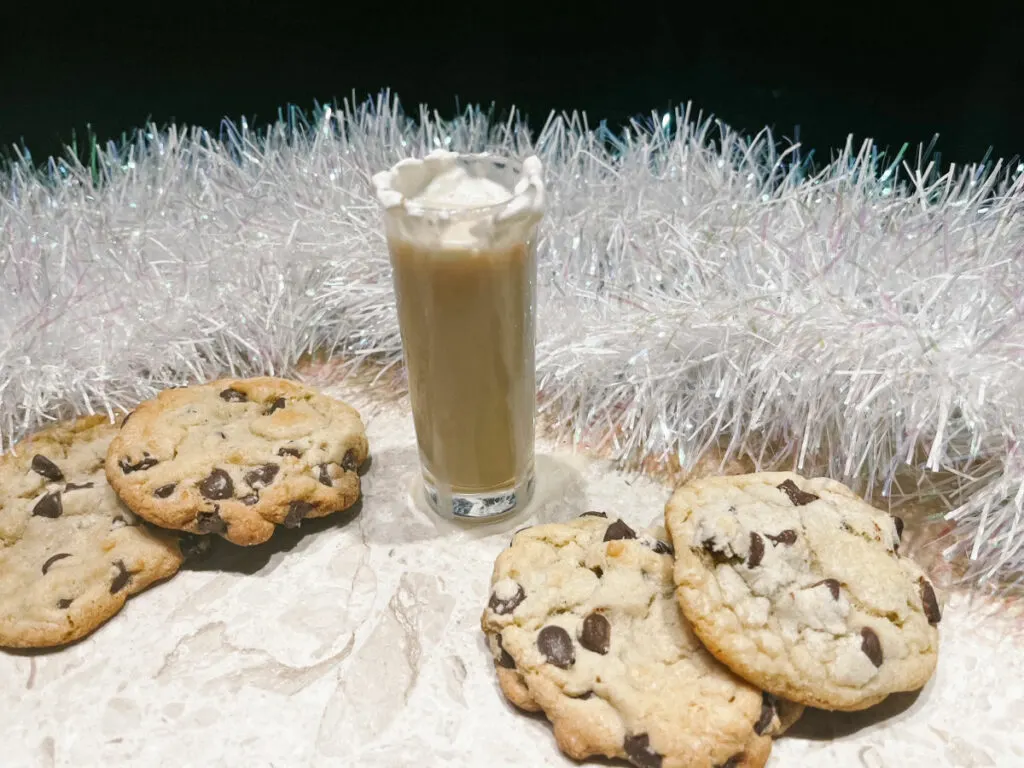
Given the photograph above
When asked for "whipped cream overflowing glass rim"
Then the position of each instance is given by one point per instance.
(400, 185)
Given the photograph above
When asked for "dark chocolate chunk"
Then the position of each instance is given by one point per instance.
(929, 602)
(43, 466)
(297, 511)
(262, 476)
(64, 602)
(504, 659)
(832, 584)
(233, 396)
(898, 522)
(325, 476)
(217, 486)
(871, 645)
(165, 490)
(54, 559)
(638, 750)
(49, 506)
(77, 487)
(718, 555)
(121, 579)
(597, 571)
(505, 607)
(756, 550)
(619, 530)
(349, 463)
(289, 452)
(798, 497)
(145, 462)
(787, 537)
(594, 514)
(249, 499)
(556, 645)
(769, 708)
(733, 761)
(662, 548)
(194, 548)
(277, 405)
(596, 634)
(210, 522)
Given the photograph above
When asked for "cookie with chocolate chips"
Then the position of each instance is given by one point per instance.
(798, 586)
(238, 457)
(582, 623)
(70, 552)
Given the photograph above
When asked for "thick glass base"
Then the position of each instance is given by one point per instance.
(488, 506)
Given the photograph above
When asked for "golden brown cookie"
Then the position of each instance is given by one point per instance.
(238, 457)
(798, 586)
(70, 552)
(583, 624)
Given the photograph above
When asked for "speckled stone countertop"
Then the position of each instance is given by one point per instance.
(355, 642)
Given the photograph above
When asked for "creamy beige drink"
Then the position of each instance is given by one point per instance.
(461, 232)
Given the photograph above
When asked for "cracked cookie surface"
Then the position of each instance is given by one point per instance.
(583, 624)
(238, 457)
(70, 552)
(797, 585)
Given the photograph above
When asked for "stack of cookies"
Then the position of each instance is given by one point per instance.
(698, 643)
(92, 512)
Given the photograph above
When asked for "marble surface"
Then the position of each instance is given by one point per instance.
(356, 642)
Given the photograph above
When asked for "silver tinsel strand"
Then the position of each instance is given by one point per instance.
(861, 319)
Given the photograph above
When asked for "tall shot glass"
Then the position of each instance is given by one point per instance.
(461, 232)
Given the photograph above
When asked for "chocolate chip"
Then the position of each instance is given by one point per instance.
(619, 530)
(504, 659)
(349, 462)
(43, 466)
(64, 602)
(556, 645)
(289, 452)
(756, 550)
(233, 396)
(54, 559)
(594, 514)
(662, 548)
(505, 607)
(145, 462)
(249, 499)
(262, 476)
(596, 634)
(898, 522)
(871, 645)
(217, 486)
(597, 571)
(77, 487)
(49, 506)
(733, 761)
(769, 708)
(718, 555)
(929, 602)
(787, 537)
(297, 511)
(325, 476)
(165, 490)
(194, 547)
(277, 405)
(125, 419)
(798, 497)
(210, 522)
(121, 579)
(832, 584)
(638, 749)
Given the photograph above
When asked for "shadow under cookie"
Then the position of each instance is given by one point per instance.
(821, 725)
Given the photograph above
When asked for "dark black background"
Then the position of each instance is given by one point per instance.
(897, 72)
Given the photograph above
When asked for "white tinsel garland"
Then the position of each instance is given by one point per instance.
(695, 285)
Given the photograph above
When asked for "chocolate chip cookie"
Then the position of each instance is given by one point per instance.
(798, 585)
(238, 457)
(583, 624)
(70, 552)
